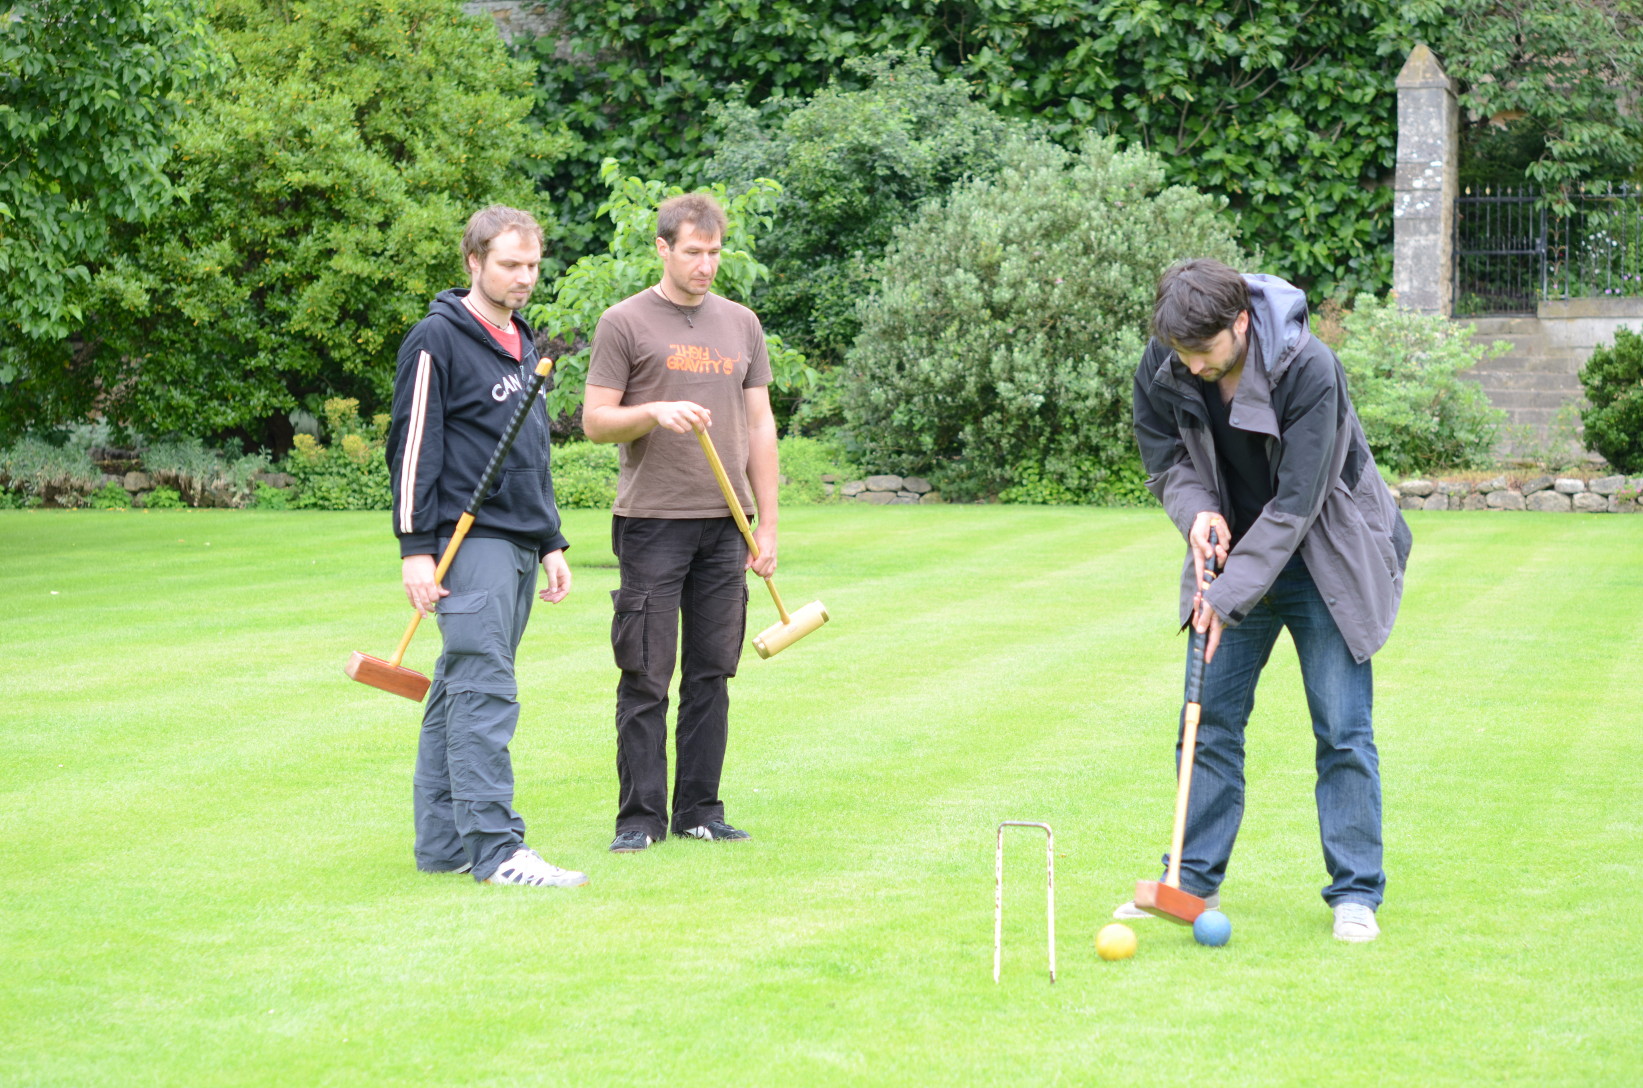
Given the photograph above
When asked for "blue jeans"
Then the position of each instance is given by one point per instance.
(1340, 696)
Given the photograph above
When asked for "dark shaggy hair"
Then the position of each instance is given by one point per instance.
(1196, 301)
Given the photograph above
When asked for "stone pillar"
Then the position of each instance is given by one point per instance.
(515, 16)
(1427, 182)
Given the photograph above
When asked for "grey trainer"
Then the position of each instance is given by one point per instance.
(1355, 922)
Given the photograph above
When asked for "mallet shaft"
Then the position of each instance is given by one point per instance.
(735, 505)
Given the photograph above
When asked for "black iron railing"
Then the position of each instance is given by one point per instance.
(1513, 249)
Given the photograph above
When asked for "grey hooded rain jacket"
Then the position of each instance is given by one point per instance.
(1329, 502)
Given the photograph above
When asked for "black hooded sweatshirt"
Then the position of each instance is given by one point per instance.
(454, 394)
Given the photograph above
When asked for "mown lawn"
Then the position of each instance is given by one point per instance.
(207, 876)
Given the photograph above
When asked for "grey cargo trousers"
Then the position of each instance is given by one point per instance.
(463, 784)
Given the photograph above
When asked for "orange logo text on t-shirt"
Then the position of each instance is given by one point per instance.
(699, 359)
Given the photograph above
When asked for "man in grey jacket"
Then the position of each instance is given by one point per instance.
(1246, 428)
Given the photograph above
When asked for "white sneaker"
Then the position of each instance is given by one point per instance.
(527, 867)
(1355, 922)
(1129, 912)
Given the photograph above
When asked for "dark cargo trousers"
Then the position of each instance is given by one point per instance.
(463, 784)
(673, 569)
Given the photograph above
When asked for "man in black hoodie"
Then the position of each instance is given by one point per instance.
(462, 370)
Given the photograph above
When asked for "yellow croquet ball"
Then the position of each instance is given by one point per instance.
(1115, 942)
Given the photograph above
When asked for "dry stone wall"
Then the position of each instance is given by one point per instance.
(1543, 494)
(883, 490)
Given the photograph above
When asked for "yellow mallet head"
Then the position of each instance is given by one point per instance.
(778, 637)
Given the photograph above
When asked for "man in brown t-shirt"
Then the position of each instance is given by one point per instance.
(667, 361)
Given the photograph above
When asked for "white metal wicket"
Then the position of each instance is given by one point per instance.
(998, 892)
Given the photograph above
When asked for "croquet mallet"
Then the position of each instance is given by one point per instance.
(389, 675)
(777, 637)
(1165, 898)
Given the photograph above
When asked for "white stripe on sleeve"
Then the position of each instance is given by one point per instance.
(413, 442)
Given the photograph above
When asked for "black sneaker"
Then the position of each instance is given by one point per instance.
(716, 831)
(630, 842)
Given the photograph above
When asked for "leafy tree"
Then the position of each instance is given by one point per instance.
(1000, 349)
(326, 186)
(630, 264)
(88, 94)
(1403, 369)
(1613, 378)
(854, 165)
(1549, 89)
(1286, 108)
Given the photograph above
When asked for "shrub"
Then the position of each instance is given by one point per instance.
(264, 497)
(349, 474)
(584, 475)
(804, 461)
(1613, 378)
(322, 191)
(111, 496)
(41, 471)
(201, 475)
(853, 164)
(164, 498)
(1402, 369)
(1000, 348)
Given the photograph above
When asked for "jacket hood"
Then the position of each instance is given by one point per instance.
(1277, 310)
(448, 304)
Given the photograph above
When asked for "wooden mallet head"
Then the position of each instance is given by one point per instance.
(1157, 897)
(779, 636)
(394, 679)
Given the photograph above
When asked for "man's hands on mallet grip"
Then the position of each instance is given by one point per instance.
(1203, 616)
(680, 416)
(765, 565)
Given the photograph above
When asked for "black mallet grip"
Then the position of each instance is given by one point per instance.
(532, 391)
(1200, 639)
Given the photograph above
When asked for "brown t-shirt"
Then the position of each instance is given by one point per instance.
(645, 347)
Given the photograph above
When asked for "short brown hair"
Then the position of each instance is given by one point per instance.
(698, 209)
(488, 224)
(1197, 299)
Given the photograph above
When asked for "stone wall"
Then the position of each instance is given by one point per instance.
(884, 490)
(1540, 375)
(1546, 494)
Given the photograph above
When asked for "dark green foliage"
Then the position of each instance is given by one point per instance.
(88, 93)
(1403, 372)
(1547, 88)
(1286, 108)
(349, 474)
(1613, 378)
(326, 187)
(584, 475)
(1000, 349)
(854, 165)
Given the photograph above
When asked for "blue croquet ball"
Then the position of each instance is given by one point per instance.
(1212, 928)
